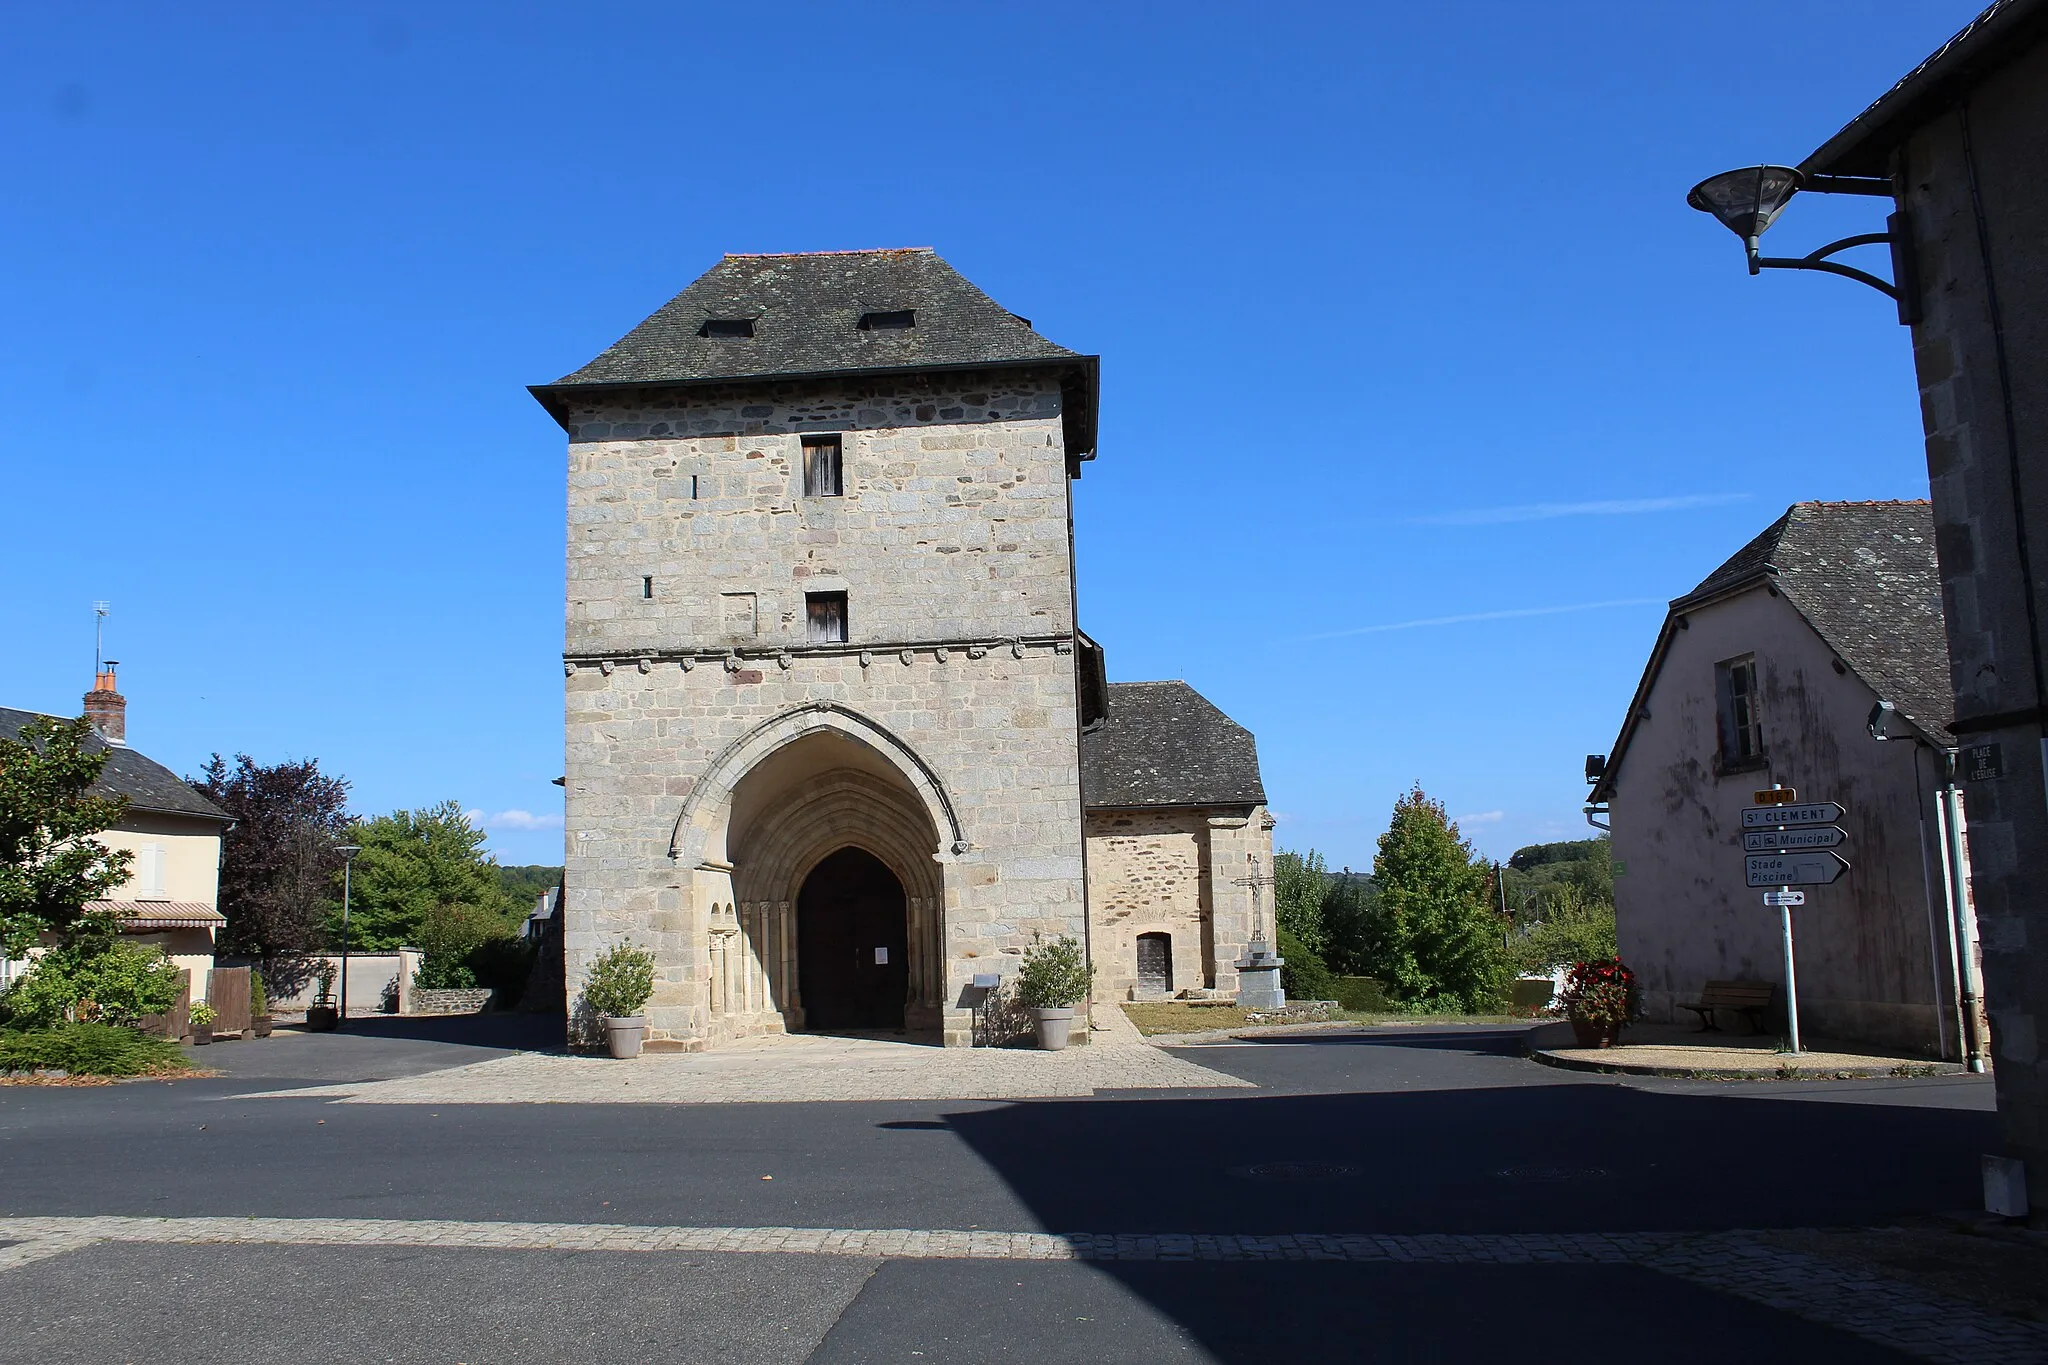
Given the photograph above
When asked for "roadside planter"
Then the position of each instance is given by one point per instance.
(617, 987)
(201, 1017)
(1052, 982)
(322, 1014)
(1600, 999)
(259, 1006)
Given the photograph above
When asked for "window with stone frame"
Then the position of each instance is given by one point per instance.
(1742, 730)
(822, 473)
(826, 617)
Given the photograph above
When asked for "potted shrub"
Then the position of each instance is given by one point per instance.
(202, 1017)
(259, 1006)
(616, 989)
(322, 1014)
(1599, 997)
(1053, 980)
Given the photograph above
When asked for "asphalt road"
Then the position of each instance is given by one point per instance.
(1401, 1131)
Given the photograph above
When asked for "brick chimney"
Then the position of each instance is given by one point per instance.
(106, 708)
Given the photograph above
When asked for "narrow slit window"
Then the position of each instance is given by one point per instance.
(693, 487)
(896, 320)
(647, 588)
(727, 329)
(827, 617)
(822, 472)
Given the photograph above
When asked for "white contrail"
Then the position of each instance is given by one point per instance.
(1488, 616)
(1546, 511)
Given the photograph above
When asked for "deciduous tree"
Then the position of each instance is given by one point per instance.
(413, 861)
(50, 865)
(279, 862)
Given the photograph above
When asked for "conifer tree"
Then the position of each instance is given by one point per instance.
(1435, 936)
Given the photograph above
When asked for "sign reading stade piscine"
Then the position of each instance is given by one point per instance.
(1793, 869)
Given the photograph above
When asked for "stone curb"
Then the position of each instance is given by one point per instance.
(1887, 1071)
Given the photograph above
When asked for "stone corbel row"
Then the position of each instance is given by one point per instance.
(786, 658)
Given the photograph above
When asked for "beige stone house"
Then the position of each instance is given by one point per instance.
(1767, 673)
(172, 895)
(827, 706)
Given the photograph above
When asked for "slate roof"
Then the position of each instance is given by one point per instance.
(1864, 576)
(806, 310)
(1165, 744)
(2001, 34)
(147, 784)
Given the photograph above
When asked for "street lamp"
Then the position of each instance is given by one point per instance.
(1887, 721)
(348, 861)
(1749, 200)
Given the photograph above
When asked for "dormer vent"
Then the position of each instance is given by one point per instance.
(727, 327)
(901, 320)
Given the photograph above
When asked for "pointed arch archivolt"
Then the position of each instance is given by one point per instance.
(707, 804)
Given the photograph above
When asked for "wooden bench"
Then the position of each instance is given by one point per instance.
(1751, 999)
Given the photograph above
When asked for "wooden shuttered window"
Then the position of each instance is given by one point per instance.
(827, 617)
(822, 474)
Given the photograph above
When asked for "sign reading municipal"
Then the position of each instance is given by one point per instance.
(1783, 840)
(1793, 869)
(1805, 813)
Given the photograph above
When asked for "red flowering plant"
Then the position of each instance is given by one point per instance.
(1602, 991)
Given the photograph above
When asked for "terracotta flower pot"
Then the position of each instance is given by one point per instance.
(1595, 1032)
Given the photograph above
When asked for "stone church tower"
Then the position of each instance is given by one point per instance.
(825, 694)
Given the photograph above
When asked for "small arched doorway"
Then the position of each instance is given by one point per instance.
(852, 936)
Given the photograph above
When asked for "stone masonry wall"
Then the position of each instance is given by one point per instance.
(1147, 873)
(953, 525)
(951, 543)
(1978, 207)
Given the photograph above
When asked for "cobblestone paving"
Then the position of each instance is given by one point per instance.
(1877, 1308)
(791, 1069)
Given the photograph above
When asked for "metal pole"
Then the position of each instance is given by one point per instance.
(1950, 813)
(347, 866)
(1791, 977)
(1933, 935)
(1791, 981)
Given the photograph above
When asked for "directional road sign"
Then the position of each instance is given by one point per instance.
(1781, 898)
(1779, 840)
(1805, 813)
(1793, 869)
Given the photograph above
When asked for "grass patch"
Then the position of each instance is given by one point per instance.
(1154, 1017)
(89, 1050)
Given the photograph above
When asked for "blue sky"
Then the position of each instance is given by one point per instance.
(1422, 388)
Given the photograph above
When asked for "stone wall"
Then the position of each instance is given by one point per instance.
(955, 687)
(1182, 871)
(1978, 205)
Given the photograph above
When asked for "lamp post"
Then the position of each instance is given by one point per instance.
(1888, 722)
(348, 861)
(1749, 200)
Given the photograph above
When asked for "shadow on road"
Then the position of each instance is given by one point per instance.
(1507, 1042)
(1555, 1158)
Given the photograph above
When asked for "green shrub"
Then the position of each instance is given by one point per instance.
(1363, 995)
(502, 964)
(1302, 973)
(449, 934)
(93, 977)
(259, 998)
(87, 1050)
(1054, 975)
(620, 981)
